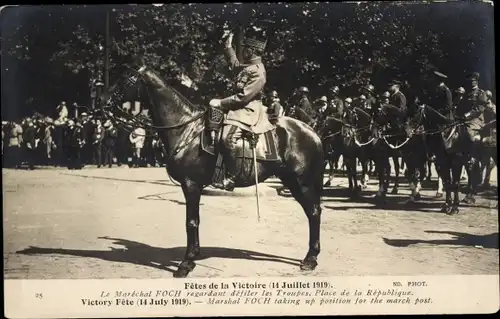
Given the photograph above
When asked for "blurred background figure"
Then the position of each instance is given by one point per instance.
(137, 138)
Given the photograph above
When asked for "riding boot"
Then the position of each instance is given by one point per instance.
(230, 164)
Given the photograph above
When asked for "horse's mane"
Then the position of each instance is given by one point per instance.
(175, 93)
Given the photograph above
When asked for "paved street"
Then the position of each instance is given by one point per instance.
(129, 223)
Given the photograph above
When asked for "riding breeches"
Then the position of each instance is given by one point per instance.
(230, 134)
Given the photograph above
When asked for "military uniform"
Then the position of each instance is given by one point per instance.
(335, 107)
(244, 108)
(305, 105)
(473, 106)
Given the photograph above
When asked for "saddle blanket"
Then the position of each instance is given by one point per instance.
(266, 149)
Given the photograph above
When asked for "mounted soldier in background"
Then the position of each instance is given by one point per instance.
(301, 106)
(370, 103)
(274, 107)
(244, 108)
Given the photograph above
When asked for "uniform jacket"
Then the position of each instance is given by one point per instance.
(275, 109)
(441, 99)
(490, 114)
(305, 105)
(245, 105)
(335, 108)
(398, 100)
(475, 103)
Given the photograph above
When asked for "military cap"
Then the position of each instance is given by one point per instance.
(474, 76)
(84, 114)
(255, 37)
(386, 94)
(348, 100)
(323, 99)
(63, 102)
(303, 89)
(460, 90)
(440, 75)
(396, 82)
(370, 88)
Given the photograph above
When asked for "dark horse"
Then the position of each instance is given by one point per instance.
(180, 125)
(447, 139)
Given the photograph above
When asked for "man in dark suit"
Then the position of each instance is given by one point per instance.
(110, 136)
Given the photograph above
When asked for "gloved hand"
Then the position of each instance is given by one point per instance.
(215, 103)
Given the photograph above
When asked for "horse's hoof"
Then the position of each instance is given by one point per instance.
(184, 269)
(308, 264)
(438, 195)
(410, 201)
(418, 196)
(469, 200)
(453, 211)
(327, 184)
(363, 186)
(394, 190)
(445, 208)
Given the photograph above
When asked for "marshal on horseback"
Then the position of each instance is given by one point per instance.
(286, 148)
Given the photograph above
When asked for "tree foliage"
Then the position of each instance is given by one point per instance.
(312, 44)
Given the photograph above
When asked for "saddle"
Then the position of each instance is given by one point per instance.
(266, 148)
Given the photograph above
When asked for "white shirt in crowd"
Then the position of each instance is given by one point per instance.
(137, 137)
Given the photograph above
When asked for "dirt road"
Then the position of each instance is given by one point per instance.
(129, 223)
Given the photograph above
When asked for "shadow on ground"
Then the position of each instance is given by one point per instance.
(460, 239)
(157, 182)
(160, 258)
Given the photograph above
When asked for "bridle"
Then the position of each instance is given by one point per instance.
(126, 119)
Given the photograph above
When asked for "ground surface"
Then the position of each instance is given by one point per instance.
(129, 223)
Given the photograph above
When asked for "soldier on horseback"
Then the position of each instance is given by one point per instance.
(336, 105)
(441, 100)
(396, 108)
(244, 108)
(472, 109)
(370, 102)
(274, 109)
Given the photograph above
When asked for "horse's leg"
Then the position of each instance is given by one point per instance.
(395, 160)
(192, 194)
(350, 163)
(380, 167)
(309, 197)
(333, 166)
(456, 174)
(364, 169)
(444, 174)
(429, 170)
(473, 172)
